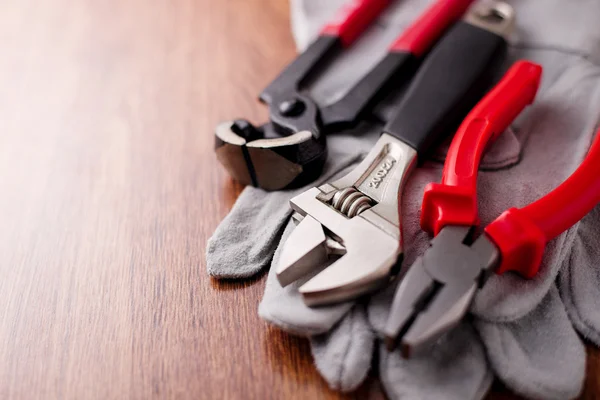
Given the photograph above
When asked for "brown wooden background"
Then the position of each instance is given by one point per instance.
(109, 190)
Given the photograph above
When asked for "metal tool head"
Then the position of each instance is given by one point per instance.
(493, 16)
(437, 290)
(354, 218)
(287, 152)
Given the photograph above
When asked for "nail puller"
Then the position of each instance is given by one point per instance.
(356, 217)
(290, 150)
(438, 288)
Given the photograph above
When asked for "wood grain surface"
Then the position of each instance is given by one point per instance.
(109, 191)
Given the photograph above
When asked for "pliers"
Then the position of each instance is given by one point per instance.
(290, 150)
(358, 216)
(439, 287)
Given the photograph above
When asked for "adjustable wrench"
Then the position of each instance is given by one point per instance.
(357, 216)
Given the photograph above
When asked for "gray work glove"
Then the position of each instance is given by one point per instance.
(520, 331)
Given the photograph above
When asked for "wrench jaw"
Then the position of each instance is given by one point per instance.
(438, 289)
(309, 249)
(369, 263)
(356, 217)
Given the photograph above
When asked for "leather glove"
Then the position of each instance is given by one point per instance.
(520, 330)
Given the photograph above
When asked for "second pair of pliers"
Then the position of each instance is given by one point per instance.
(357, 216)
(290, 149)
(439, 287)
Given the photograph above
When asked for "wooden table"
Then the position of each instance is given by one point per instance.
(110, 190)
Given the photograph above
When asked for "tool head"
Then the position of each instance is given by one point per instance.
(269, 163)
(437, 290)
(356, 219)
(367, 256)
(288, 151)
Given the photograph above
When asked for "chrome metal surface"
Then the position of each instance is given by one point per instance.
(272, 171)
(438, 289)
(371, 239)
(496, 17)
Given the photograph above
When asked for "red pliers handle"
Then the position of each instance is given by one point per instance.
(454, 200)
(522, 233)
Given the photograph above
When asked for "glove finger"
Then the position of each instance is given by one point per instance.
(579, 281)
(540, 355)
(244, 242)
(454, 368)
(285, 308)
(343, 355)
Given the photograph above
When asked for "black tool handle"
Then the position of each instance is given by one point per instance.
(317, 55)
(370, 90)
(347, 25)
(449, 83)
(398, 65)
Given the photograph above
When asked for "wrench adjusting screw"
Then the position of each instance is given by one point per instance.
(351, 202)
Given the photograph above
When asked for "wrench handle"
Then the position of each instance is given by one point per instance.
(521, 234)
(448, 84)
(454, 200)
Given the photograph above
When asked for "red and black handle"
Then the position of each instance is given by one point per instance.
(454, 200)
(346, 27)
(353, 18)
(449, 83)
(356, 16)
(397, 65)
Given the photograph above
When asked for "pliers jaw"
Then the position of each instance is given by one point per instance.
(437, 290)
(276, 155)
(355, 217)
